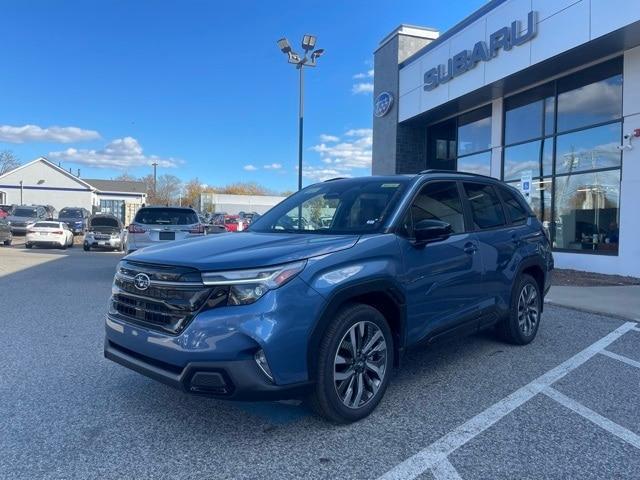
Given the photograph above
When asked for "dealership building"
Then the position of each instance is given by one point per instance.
(543, 94)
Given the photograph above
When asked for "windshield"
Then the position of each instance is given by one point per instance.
(339, 207)
(70, 213)
(166, 216)
(24, 212)
(104, 222)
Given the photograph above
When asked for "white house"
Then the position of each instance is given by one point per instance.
(41, 182)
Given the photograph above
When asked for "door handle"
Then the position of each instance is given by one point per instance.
(470, 248)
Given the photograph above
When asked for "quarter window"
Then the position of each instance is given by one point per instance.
(485, 205)
(517, 212)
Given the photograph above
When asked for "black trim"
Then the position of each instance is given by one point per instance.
(234, 380)
(383, 286)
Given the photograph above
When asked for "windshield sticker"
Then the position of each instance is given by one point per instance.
(390, 185)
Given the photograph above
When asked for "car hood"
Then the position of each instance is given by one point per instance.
(13, 218)
(243, 250)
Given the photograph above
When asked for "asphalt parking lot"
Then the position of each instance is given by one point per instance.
(566, 406)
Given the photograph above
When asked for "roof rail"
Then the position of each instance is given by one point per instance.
(455, 172)
(332, 179)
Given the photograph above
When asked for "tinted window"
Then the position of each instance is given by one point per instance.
(479, 163)
(514, 205)
(437, 201)
(46, 225)
(522, 158)
(485, 205)
(25, 212)
(589, 149)
(343, 206)
(166, 216)
(474, 131)
(590, 104)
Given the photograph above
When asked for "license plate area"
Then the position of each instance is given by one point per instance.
(167, 235)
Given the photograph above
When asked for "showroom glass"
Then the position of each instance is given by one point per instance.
(558, 137)
(345, 207)
(486, 208)
(586, 211)
(436, 201)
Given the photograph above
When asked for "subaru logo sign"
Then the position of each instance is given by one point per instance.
(382, 104)
(141, 281)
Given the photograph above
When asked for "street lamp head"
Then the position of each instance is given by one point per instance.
(308, 42)
(317, 54)
(283, 45)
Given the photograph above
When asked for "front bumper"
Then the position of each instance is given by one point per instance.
(233, 380)
(111, 243)
(224, 340)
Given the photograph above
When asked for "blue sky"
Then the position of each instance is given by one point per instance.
(201, 85)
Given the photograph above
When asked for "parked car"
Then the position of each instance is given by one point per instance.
(24, 215)
(6, 237)
(235, 223)
(153, 225)
(106, 232)
(328, 312)
(49, 234)
(76, 218)
(6, 210)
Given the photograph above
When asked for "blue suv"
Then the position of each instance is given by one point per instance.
(323, 294)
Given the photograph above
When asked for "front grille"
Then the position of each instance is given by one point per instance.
(165, 305)
(102, 237)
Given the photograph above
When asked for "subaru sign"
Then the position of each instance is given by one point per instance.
(503, 39)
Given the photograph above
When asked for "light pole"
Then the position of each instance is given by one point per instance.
(155, 180)
(308, 60)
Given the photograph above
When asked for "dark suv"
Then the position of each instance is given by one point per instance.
(302, 305)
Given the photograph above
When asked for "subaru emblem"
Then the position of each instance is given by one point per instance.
(382, 104)
(141, 281)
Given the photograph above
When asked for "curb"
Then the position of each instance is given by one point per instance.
(594, 312)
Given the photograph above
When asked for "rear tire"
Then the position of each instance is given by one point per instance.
(28, 245)
(86, 247)
(350, 380)
(7, 243)
(520, 327)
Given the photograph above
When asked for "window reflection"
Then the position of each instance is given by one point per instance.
(590, 104)
(589, 149)
(541, 189)
(479, 163)
(523, 123)
(474, 135)
(587, 211)
(522, 158)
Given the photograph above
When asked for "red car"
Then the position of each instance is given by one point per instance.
(235, 223)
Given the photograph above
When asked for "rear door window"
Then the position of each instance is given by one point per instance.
(486, 208)
(517, 212)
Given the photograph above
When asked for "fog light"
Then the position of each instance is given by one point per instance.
(261, 360)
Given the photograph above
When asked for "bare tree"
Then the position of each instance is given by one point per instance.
(8, 161)
(168, 190)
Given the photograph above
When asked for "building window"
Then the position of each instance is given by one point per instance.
(462, 143)
(565, 136)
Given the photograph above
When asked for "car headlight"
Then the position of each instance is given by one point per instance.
(247, 286)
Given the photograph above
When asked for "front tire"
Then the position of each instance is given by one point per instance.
(28, 245)
(354, 364)
(520, 327)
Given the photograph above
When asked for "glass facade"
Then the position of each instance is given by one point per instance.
(565, 136)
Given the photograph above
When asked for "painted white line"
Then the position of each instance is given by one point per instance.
(441, 448)
(444, 470)
(621, 358)
(603, 422)
(636, 329)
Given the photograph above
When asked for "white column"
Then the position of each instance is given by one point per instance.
(496, 137)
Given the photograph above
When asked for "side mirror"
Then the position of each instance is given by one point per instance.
(427, 231)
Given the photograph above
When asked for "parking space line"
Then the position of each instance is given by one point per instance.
(603, 422)
(621, 358)
(636, 329)
(428, 457)
(444, 470)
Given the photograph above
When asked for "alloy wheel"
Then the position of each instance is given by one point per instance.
(528, 310)
(360, 364)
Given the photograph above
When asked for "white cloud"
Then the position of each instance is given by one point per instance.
(250, 168)
(34, 133)
(341, 157)
(273, 166)
(119, 153)
(367, 74)
(362, 87)
(328, 138)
